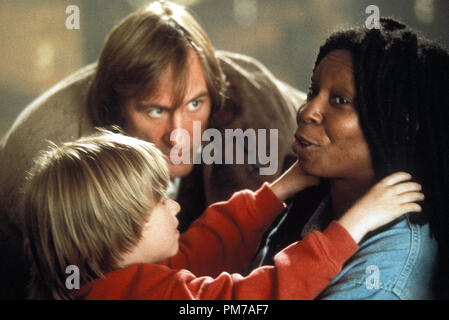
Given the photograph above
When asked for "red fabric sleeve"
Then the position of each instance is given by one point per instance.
(226, 236)
(301, 271)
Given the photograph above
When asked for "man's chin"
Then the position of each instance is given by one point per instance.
(180, 170)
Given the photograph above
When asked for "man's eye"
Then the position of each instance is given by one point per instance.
(156, 112)
(194, 105)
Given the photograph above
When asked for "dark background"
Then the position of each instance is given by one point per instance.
(37, 50)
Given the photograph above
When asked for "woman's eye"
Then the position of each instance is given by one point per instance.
(341, 100)
(194, 105)
(156, 112)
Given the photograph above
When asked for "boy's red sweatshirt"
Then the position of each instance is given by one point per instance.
(225, 240)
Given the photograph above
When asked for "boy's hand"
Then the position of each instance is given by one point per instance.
(292, 181)
(387, 200)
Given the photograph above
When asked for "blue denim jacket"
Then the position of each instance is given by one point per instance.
(397, 261)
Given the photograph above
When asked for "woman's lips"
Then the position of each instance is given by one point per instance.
(303, 144)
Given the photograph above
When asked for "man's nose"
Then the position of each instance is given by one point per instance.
(177, 119)
(176, 128)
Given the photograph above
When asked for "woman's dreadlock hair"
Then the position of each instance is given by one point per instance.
(402, 87)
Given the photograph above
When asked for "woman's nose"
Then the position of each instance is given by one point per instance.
(311, 112)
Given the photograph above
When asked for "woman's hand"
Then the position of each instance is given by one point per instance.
(387, 200)
(292, 181)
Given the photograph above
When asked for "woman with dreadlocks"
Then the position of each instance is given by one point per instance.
(378, 103)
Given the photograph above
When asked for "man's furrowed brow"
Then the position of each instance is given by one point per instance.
(143, 106)
(200, 95)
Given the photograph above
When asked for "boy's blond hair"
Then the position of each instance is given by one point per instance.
(85, 205)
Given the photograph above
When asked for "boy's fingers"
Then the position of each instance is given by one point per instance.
(406, 187)
(411, 207)
(396, 178)
(411, 197)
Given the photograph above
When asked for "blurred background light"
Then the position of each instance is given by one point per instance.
(425, 10)
(45, 56)
(245, 12)
(140, 3)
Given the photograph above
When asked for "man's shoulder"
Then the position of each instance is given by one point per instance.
(396, 261)
(255, 97)
(59, 107)
(72, 85)
(78, 77)
(56, 116)
(242, 68)
(68, 93)
(62, 101)
(237, 62)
